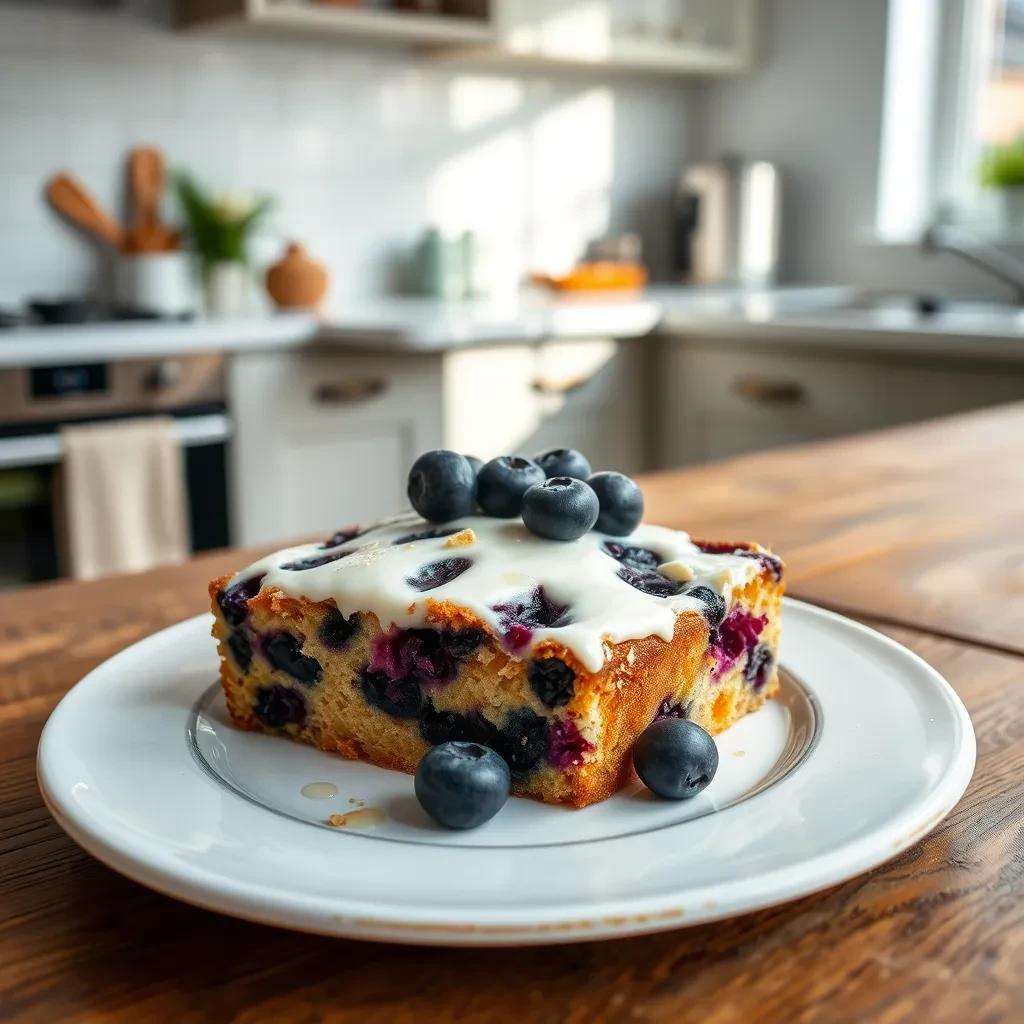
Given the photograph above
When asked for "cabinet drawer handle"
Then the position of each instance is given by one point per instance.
(766, 391)
(545, 386)
(344, 392)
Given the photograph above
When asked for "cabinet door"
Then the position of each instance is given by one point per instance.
(585, 394)
(717, 400)
(326, 439)
(591, 397)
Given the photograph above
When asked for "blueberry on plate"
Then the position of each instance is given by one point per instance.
(622, 503)
(442, 485)
(476, 463)
(502, 482)
(675, 758)
(564, 462)
(560, 509)
(462, 784)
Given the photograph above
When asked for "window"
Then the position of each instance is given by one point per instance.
(954, 87)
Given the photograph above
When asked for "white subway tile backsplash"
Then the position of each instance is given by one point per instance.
(362, 148)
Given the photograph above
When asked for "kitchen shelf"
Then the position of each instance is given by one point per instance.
(530, 33)
(325, 20)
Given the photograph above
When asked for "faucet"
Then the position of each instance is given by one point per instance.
(940, 238)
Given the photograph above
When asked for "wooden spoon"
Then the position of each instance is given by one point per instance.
(146, 178)
(72, 201)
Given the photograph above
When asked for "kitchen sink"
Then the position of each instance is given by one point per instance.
(903, 311)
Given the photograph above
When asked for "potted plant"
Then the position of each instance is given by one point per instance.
(220, 226)
(1003, 169)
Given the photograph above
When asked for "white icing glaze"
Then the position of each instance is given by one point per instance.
(509, 561)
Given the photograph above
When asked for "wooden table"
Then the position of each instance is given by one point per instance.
(916, 531)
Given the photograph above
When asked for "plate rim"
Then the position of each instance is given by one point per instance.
(619, 917)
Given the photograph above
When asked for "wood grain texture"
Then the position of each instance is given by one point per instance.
(921, 524)
(937, 934)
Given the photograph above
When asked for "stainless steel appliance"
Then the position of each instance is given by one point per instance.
(727, 222)
(35, 401)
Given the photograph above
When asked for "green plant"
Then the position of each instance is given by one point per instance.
(219, 225)
(1003, 166)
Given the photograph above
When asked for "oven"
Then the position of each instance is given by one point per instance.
(36, 401)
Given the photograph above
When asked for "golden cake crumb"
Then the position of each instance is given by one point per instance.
(461, 539)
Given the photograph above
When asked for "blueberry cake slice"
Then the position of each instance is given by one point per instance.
(557, 654)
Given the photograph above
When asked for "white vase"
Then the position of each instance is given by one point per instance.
(226, 288)
(1012, 203)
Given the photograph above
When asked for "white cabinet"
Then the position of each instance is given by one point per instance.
(325, 437)
(324, 440)
(586, 394)
(718, 398)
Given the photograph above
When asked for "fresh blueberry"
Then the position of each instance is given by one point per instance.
(566, 744)
(461, 784)
(241, 648)
(277, 706)
(341, 537)
(437, 574)
(400, 698)
(643, 559)
(622, 503)
(714, 603)
(564, 462)
(652, 583)
(284, 652)
(675, 758)
(442, 531)
(314, 561)
(560, 509)
(502, 482)
(759, 666)
(552, 680)
(234, 601)
(476, 463)
(336, 631)
(442, 485)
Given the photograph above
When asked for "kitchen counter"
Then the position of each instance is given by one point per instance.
(819, 315)
(912, 531)
(409, 324)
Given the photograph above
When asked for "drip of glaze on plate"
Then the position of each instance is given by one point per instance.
(319, 790)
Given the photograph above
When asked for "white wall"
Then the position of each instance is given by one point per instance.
(814, 105)
(362, 147)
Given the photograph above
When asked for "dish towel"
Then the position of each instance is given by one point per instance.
(124, 500)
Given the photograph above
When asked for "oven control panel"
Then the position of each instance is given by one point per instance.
(75, 391)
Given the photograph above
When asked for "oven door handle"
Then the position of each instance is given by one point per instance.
(47, 450)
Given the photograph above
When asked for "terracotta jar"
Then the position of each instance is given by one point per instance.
(297, 281)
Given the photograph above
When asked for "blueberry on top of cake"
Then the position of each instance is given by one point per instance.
(552, 627)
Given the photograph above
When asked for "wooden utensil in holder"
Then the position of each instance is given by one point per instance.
(146, 180)
(71, 200)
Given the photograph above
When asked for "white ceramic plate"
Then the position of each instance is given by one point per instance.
(865, 751)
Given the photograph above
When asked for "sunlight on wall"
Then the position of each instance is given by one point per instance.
(572, 149)
(537, 190)
(483, 190)
(476, 100)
